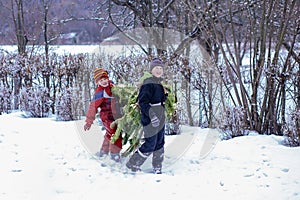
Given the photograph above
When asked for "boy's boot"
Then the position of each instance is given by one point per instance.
(101, 153)
(115, 157)
(136, 160)
(104, 148)
(157, 159)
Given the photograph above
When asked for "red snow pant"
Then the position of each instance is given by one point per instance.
(107, 146)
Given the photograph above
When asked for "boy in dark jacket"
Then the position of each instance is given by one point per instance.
(151, 100)
(103, 99)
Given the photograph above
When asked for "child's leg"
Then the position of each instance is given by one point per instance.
(105, 145)
(157, 159)
(158, 154)
(136, 160)
(117, 146)
(150, 140)
(140, 156)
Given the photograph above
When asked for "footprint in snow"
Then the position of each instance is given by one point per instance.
(72, 169)
(194, 162)
(16, 170)
(285, 170)
(248, 175)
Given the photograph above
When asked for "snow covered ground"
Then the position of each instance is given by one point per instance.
(46, 159)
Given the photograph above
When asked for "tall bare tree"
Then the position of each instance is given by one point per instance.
(251, 37)
(17, 11)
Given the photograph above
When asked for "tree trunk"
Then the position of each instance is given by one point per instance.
(19, 25)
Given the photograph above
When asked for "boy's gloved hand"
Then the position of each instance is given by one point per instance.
(154, 119)
(87, 126)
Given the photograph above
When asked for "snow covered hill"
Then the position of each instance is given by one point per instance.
(46, 159)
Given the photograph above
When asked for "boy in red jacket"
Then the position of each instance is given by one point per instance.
(104, 100)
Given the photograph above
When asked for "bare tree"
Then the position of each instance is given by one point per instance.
(18, 19)
(255, 29)
(17, 11)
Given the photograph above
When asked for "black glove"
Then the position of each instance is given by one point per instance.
(154, 119)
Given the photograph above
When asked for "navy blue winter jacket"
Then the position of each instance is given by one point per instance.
(151, 92)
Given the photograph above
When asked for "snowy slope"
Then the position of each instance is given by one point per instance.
(45, 159)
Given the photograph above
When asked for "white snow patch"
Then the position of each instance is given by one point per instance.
(46, 159)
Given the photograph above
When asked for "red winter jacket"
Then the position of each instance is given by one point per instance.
(104, 100)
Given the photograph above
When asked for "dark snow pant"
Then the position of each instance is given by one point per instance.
(154, 143)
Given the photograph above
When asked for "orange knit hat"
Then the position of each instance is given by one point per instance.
(100, 73)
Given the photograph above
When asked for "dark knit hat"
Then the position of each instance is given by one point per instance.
(156, 62)
(100, 73)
